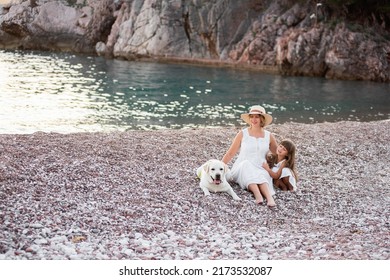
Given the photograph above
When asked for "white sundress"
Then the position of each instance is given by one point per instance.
(286, 172)
(247, 169)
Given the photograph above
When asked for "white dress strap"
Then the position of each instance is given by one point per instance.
(267, 135)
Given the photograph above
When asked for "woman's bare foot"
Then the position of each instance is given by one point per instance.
(259, 201)
(271, 202)
(256, 193)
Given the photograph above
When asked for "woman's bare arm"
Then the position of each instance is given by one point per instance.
(234, 147)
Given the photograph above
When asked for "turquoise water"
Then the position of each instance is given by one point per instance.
(59, 92)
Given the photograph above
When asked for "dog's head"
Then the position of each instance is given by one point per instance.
(215, 169)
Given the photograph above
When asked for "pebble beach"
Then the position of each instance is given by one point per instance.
(134, 195)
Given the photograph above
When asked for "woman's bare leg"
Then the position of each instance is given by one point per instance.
(254, 188)
(265, 191)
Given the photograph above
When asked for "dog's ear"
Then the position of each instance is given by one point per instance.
(206, 167)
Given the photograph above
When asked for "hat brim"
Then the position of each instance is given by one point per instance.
(267, 118)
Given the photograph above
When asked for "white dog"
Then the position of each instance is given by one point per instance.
(212, 177)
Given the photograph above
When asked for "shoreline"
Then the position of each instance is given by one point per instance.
(134, 195)
(236, 127)
(207, 62)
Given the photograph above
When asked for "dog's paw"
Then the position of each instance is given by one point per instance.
(236, 198)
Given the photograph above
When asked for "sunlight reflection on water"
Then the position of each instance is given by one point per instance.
(71, 93)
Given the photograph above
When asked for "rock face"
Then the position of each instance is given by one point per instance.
(283, 36)
(55, 25)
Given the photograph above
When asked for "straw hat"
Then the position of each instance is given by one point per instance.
(257, 110)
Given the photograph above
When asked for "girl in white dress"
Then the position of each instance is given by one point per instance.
(282, 169)
(253, 143)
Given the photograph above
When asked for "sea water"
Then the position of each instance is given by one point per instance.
(63, 92)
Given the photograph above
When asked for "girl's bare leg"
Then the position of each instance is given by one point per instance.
(286, 182)
(281, 185)
(265, 191)
(254, 188)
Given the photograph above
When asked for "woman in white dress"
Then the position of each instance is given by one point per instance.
(253, 144)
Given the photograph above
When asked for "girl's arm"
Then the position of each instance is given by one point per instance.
(274, 175)
(235, 146)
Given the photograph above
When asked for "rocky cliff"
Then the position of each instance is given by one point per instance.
(286, 37)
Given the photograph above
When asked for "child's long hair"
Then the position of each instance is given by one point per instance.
(290, 157)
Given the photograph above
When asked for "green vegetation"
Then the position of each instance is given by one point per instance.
(371, 17)
(75, 3)
(357, 8)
